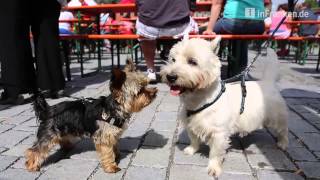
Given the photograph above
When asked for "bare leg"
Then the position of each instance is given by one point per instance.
(195, 143)
(218, 145)
(148, 49)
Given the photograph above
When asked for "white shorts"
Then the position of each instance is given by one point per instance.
(152, 33)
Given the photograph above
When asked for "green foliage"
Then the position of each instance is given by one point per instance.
(313, 3)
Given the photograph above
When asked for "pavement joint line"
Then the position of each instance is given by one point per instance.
(172, 149)
(288, 156)
(306, 120)
(305, 146)
(141, 141)
(10, 165)
(94, 172)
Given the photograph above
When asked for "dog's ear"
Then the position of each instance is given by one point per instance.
(215, 44)
(130, 67)
(118, 77)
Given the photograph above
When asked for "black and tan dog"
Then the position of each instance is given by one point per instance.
(102, 119)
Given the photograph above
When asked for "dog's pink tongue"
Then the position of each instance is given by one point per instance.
(175, 90)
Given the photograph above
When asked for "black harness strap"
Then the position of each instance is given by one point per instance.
(222, 90)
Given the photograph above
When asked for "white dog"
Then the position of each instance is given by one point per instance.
(193, 73)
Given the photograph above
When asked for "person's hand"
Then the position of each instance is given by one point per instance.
(209, 32)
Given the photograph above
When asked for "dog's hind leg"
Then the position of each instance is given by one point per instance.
(279, 123)
(194, 143)
(39, 152)
(67, 142)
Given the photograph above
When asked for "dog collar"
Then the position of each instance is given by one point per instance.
(222, 90)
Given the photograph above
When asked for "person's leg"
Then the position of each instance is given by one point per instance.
(16, 58)
(148, 50)
(46, 32)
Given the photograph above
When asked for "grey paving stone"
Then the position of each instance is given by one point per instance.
(14, 110)
(124, 159)
(133, 134)
(16, 120)
(145, 116)
(164, 126)
(310, 169)
(5, 127)
(26, 128)
(128, 144)
(311, 140)
(30, 140)
(145, 173)
(311, 117)
(183, 136)
(6, 161)
(236, 163)
(69, 169)
(267, 175)
(20, 164)
(101, 175)
(2, 149)
(137, 126)
(11, 138)
(258, 139)
(168, 107)
(200, 158)
(149, 156)
(299, 125)
(317, 153)
(158, 138)
(300, 108)
(166, 116)
(294, 142)
(13, 174)
(271, 159)
(293, 101)
(301, 154)
(17, 150)
(188, 172)
(230, 176)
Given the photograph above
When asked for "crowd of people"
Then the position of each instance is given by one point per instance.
(23, 72)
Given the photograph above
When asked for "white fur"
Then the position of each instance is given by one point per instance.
(264, 106)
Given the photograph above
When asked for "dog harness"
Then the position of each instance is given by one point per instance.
(118, 122)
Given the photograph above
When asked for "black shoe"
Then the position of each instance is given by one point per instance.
(12, 100)
(56, 94)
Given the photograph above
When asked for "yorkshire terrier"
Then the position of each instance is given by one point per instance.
(103, 119)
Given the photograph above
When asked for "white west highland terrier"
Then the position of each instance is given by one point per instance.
(193, 73)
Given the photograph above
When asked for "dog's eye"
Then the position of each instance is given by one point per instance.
(172, 60)
(192, 62)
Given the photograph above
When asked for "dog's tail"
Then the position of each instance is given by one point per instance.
(269, 68)
(40, 107)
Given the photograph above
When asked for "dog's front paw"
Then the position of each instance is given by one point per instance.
(189, 150)
(214, 169)
(111, 168)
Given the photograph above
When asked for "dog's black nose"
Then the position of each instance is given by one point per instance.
(172, 77)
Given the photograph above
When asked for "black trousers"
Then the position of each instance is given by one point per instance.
(45, 29)
(20, 73)
(17, 70)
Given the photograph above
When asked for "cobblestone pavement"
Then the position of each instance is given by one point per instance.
(152, 146)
